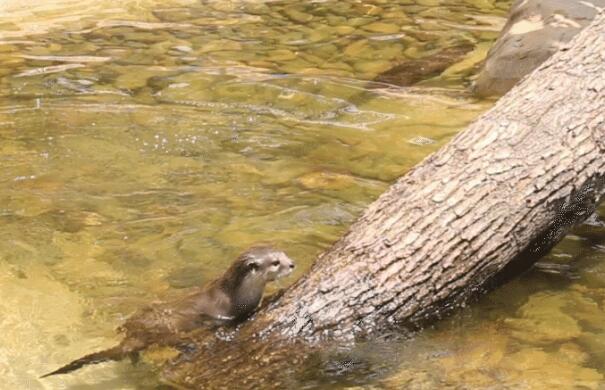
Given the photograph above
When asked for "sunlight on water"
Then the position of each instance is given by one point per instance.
(145, 143)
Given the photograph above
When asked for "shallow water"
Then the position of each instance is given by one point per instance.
(144, 144)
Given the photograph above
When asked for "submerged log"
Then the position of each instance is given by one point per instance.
(410, 72)
(499, 195)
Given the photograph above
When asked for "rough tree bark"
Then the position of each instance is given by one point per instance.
(509, 186)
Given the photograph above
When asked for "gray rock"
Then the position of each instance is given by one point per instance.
(534, 31)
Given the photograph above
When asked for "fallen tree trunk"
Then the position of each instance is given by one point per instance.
(501, 193)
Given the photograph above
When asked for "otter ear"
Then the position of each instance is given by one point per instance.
(252, 264)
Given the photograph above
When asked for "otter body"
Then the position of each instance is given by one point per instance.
(229, 299)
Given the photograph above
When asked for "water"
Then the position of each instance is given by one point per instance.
(145, 143)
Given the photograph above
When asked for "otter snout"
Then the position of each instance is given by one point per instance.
(288, 266)
(268, 263)
(280, 265)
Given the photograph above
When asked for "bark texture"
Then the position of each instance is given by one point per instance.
(509, 186)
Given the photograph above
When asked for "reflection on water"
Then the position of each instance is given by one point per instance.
(144, 143)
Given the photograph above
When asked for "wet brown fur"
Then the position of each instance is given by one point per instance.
(229, 299)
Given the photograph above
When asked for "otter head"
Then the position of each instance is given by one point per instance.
(267, 263)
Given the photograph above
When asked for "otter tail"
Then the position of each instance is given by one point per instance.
(116, 353)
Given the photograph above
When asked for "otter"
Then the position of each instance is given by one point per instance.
(230, 299)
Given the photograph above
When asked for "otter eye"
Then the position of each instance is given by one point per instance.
(275, 263)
